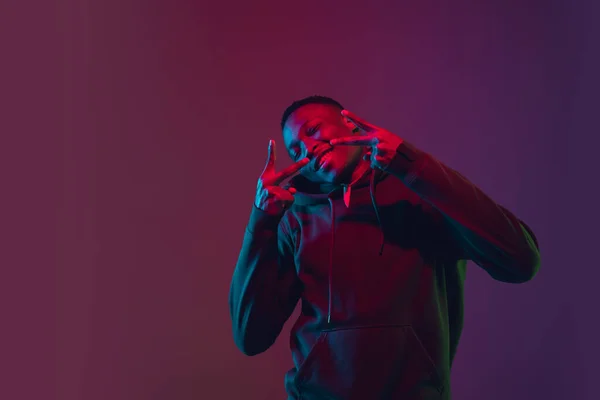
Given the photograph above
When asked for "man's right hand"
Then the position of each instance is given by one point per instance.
(270, 197)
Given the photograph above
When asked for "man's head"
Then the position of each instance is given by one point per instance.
(308, 125)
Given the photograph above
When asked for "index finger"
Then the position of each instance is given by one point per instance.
(359, 122)
(289, 171)
(354, 141)
(270, 165)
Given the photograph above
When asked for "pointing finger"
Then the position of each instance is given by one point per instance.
(270, 166)
(354, 141)
(289, 171)
(359, 122)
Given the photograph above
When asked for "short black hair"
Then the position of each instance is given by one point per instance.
(307, 100)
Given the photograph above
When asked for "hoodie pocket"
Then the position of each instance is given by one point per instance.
(377, 362)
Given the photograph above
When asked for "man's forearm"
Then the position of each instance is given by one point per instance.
(486, 232)
(262, 293)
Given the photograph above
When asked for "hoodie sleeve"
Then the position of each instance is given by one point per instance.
(264, 288)
(482, 230)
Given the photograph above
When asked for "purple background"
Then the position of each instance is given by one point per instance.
(133, 134)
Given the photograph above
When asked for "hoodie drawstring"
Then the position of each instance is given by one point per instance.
(331, 244)
(372, 187)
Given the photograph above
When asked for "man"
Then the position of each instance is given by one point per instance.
(373, 236)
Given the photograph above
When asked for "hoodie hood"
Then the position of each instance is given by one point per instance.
(309, 192)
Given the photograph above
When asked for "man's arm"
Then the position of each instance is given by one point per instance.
(264, 288)
(484, 231)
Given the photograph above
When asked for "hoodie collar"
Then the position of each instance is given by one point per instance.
(309, 192)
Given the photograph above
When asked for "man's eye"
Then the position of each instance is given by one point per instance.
(312, 131)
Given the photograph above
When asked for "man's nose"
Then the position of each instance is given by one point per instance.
(310, 147)
(316, 145)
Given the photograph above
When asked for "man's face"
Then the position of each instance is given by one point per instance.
(308, 131)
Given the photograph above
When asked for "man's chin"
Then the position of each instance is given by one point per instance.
(336, 176)
(330, 174)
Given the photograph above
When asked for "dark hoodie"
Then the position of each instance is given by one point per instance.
(379, 269)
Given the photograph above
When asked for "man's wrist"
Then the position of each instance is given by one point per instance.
(262, 221)
(406, 160)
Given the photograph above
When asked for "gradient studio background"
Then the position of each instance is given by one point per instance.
(134, 133)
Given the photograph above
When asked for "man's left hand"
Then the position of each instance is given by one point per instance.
(382, 142)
